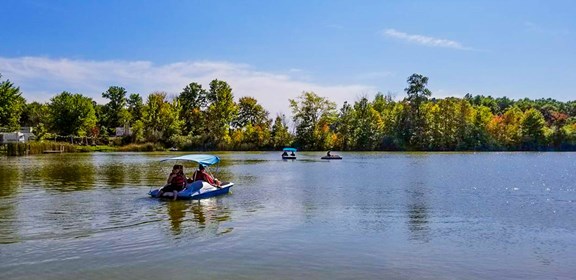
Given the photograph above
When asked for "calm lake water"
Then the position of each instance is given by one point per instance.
(369, 216)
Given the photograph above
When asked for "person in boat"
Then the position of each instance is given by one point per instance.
(328, 154)
(176, 182)
(285, 154)
(292, 154)
(202, 174)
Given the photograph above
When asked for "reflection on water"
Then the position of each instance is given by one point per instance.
(65, 176)
(197, 216)
(369, 216)
(9, 179)
(417, 205)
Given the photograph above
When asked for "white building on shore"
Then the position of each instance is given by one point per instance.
(22, 136)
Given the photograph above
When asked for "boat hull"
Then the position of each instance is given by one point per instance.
(331, 157)
(196, 190)
(288, 157)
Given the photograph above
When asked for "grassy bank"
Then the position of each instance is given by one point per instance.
(146, 147)
(32, 148)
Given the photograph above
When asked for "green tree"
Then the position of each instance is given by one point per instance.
(307, 112)
(481, 137)
(71, 114)
(532, 127)
(417, 91)
(390, 113)
(193, 102)
(344, 127)
(439, 120)
(114, 112)
(137, 135)
(36, 115)
(253, 121)
(255, 136)
(160, 117)
(367, 126)
(249, 111)
(281, 137)
(135, 107)
(486, 101)
(415, 121)
(222, 111)
(11, 105)
(504, 103)
(465, 125)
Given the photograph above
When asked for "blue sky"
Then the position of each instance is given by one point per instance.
(274, 50)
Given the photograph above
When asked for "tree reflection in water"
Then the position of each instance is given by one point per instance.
(417, 205)
(10, 178)
(66, 176)
(9, 184)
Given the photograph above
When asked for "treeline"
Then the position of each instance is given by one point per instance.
(209, 119)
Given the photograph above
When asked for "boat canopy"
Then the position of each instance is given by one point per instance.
(289, 149)
(202, 159)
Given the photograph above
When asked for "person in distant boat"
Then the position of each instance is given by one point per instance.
(328, 154)
(202, 174)
(285, 154)
(292, 154)
(176, 182)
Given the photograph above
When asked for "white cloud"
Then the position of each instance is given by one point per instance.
(40, 78)
(423, 40)
(444, 93)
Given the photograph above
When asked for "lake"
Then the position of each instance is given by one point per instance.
(368, 216)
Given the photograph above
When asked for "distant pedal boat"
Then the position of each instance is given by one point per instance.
(289, 156)
(332, 157)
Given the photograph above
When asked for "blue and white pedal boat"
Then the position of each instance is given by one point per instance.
(197, 189)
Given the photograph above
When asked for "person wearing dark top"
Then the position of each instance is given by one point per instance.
(176, 182)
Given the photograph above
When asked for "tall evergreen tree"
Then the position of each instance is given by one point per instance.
(415, 121)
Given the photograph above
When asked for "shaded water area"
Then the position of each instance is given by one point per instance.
(368, 216)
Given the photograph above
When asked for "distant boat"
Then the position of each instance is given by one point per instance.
(292, 154)
(331, 156)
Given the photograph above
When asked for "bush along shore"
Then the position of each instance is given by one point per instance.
(33, 148)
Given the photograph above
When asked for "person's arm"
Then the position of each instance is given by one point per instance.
(214, 181)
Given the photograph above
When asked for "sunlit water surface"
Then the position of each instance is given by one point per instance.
(368, 216)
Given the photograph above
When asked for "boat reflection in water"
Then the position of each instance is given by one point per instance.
(197, 217)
